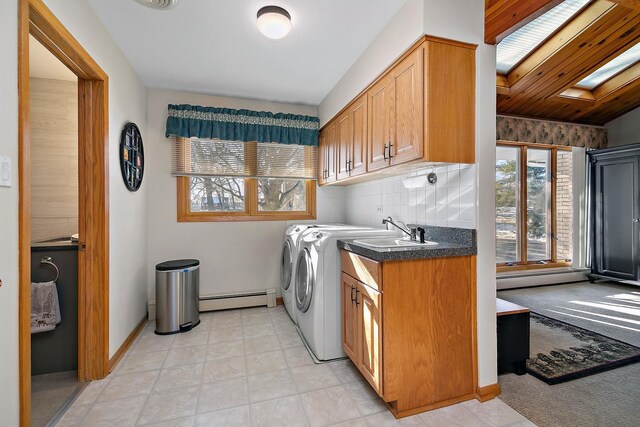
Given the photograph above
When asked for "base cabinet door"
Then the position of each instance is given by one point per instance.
(349, 317)
(368, 302)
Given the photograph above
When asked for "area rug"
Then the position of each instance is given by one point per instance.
(562, 352)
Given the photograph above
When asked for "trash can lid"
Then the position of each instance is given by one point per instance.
(177, 264)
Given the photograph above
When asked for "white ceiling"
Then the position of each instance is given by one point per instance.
(214, 47)
(44, 65)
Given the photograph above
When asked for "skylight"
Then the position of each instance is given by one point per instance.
(516, 46)
(611, 68)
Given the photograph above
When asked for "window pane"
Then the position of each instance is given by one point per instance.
(564, 206)
(217, 194)
(611, 68)
(521, 42)
(538, 205)
(507, 217)
(281, 195)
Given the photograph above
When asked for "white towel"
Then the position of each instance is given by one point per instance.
(45, 307)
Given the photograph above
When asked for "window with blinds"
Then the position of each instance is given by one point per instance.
(206, 157)
(231, 180)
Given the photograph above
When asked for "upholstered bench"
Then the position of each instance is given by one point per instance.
(513, 337)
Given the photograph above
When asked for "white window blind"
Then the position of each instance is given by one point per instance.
(520, 43)
(206, 157)
(611, 68)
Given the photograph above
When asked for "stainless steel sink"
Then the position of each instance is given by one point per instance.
(393, 242)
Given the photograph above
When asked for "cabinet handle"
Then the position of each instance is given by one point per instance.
(636, 219)
(349, 165)
(353, 297)
(384, 152)
(390, 156)
(357, 302)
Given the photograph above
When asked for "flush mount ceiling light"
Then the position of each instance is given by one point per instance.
(274, 22)
(159, 4)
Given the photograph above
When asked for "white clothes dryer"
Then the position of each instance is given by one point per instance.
(317, 289)
(289, 257)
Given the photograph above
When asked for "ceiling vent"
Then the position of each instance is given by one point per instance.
(159, 4)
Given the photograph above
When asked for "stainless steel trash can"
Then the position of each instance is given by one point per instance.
(177, 292)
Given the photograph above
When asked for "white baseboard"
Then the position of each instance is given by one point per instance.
(240, 300)
(228, 301)
(528, 279)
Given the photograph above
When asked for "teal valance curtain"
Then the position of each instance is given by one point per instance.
(226, 124)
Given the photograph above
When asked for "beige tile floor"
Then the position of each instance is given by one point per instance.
(248, 368)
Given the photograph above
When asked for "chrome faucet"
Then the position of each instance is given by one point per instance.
(403, 227)
(411, 232)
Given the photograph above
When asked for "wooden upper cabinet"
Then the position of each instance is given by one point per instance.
(359, 119)
(406, 115)
(449, 109)
(422, 109)
(344, 143)
(331, 145)
(322, 157)
(380, 101)
(352, 139)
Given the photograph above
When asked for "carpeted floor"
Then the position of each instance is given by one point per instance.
(610, 309)
(610, 398)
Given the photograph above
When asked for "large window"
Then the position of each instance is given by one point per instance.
(534, 206)
(234, 181)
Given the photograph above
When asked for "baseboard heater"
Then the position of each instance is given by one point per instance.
(239, 300)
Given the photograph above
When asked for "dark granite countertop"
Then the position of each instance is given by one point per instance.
(452, 242)
(62, 244)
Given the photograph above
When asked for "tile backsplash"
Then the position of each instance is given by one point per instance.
(450, 202)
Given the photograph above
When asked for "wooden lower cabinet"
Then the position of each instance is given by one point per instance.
(349, 317)
(411, 331)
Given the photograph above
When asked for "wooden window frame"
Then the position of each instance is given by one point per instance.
(251, 211)
(523, 264)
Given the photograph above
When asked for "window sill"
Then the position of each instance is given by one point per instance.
(208, 217)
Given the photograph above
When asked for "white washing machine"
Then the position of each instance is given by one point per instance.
(317, 289)
(289, 257)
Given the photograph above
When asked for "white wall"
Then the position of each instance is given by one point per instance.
(128, 233)
(450, 202)
(234, 257)
(127, 210)
(459, 20)
(625, 129)
(464, 20)
(9, 403)
(404, 29)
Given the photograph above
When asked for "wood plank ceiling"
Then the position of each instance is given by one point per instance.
(542, 85)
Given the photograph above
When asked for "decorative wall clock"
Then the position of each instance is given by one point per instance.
(131, 156)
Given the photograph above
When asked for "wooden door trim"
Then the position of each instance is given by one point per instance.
(93, 286)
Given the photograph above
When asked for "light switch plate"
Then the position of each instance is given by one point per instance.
(5, 172)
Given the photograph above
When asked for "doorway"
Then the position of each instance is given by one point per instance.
(36, 20)
(53, 130)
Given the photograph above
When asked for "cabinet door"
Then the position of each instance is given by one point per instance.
(407, 81)
(368, 302)
(379, 105)
(617, 217)
(358, 154)
(322, 157)
(344, 144)
(349, 318)
(332, 142)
